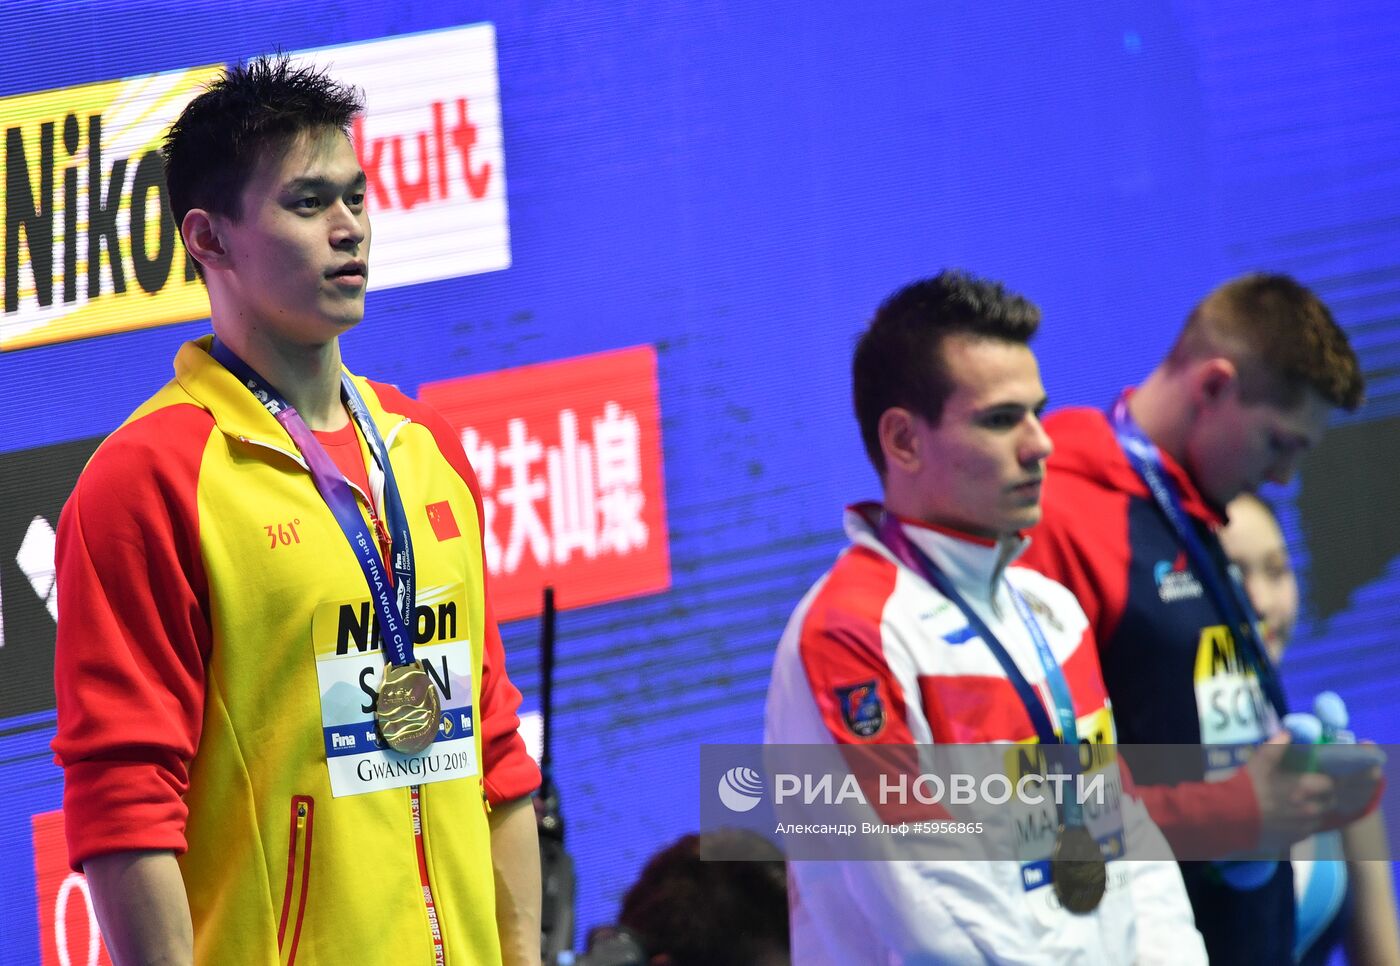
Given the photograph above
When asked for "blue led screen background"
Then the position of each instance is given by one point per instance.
(737, 186)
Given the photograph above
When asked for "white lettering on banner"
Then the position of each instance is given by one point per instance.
(482, 456)
(520, 495)
(620, 479)
(592, 488)
(74, 883)
(572, 496)
(431, 146)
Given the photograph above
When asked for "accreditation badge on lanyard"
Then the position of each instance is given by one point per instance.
(1231, 603)
(1075, 867)
(409, 716)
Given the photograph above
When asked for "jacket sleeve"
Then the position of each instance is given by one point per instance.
(133, 638)
(858, 695)
(928, 910)
(1166, 926)
(842, 669)
(509, 770)
(1205, 818)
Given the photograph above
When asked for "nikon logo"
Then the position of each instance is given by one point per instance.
(357, 626)
(110, 189)
(90, 244)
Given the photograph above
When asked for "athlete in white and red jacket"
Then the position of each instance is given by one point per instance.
(948, 395)
(875, 654)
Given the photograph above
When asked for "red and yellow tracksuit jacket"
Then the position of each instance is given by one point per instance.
(193, 556)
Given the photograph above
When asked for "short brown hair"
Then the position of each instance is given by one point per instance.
(899, 358)
(1281, 337)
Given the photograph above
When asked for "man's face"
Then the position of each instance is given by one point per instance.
(980, 469)
(299, 255)
(1234, 447)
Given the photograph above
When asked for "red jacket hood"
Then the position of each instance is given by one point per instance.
(1085, 446)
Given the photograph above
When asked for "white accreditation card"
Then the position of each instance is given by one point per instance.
(349, 666)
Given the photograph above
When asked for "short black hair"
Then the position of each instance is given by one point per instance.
(211, 150)
(702, 912)
(899, 359)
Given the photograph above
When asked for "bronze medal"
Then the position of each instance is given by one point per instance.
(1077, 870)
(408, 708)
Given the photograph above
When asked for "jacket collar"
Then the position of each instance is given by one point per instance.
(975, 565)
(238, 414)
(1086, 446)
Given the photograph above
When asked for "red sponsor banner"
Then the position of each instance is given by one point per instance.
(68, 933)
(568, 455)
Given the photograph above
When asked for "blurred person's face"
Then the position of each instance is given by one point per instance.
(980, 469)
(1234, 447)
(1254, 542)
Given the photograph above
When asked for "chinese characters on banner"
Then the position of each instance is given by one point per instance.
(67, 922)
(568, 455)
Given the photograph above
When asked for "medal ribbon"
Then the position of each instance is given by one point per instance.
(892, 535)
(1230, 601)
(396, 614)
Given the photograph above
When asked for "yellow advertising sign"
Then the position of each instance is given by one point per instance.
(89, 245)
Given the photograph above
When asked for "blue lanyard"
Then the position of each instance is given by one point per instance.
(1229, 601)
(396, 615)
(892, 535)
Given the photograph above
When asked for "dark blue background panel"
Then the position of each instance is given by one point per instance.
(738, 185)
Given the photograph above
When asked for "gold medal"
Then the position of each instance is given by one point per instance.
(1077, 870)
(408, 708)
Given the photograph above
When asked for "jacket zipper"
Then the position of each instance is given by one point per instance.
(298, 877)
(415, 793)
(435, 927)
(303, 807)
